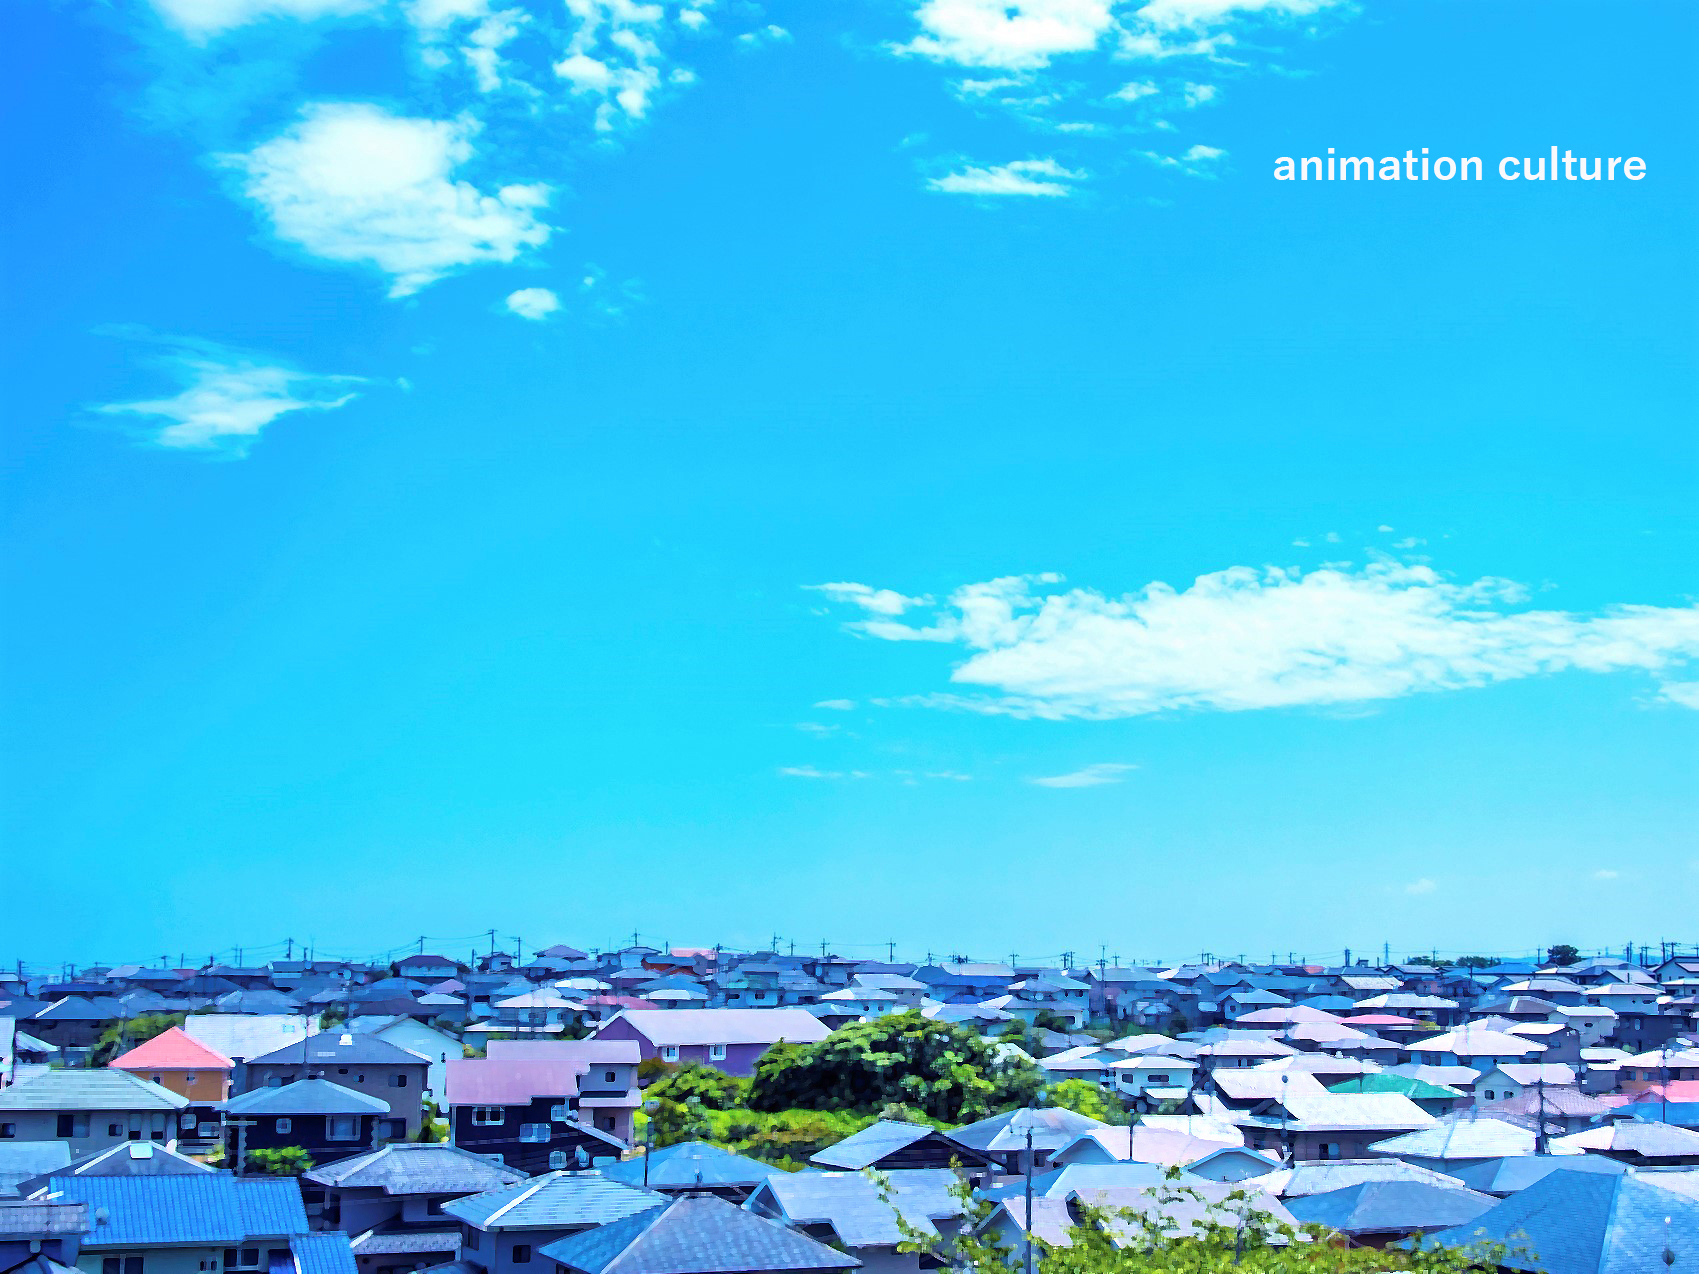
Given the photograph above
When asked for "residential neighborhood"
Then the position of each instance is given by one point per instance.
(704, 1109)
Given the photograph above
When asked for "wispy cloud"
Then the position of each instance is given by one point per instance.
(1416, 888)
(1194, 161)
(352, 183)
(1090, 776)
(1605, 873)
(1042, 177)
(1276, 637)
(809, 772)
(227, 397)
(876, 601)
(837, 705)
(998, 33)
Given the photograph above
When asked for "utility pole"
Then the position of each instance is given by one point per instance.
(1540, 1110)
(1029, 1158)
(890, 953)
(289, 948)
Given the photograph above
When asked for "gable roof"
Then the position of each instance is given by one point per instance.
(557, 1201)
(1466, 1135)
(240, 1035)
(417, 1168)
(205, 1208)
(1052, 1128)
(692, 1163)
(88, 1090)
(698, 1234)
(853, 1204)
(862, 1149)
(499, 1081)
(1391, 1207)
(341, 1048)
(675, 1027)
(1518, 1172)
(1322, 1176)
(174, 1049)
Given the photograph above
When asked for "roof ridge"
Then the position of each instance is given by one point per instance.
(521, 1196)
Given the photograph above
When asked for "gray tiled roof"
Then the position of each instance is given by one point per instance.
(559, 1200)
(1518, 1172)
(340, 1048)
(851, 1202)
(692, 1163)
(417, 1168)
(102, 1089)
(871, 1144)
(306, 1097)
(698, 1234)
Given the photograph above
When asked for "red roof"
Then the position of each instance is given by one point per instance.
(1677, 1090)
(172, 1050)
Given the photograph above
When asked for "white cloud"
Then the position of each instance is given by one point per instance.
(1384, 529)
(533, 303)
(228, 398)
(353, 183)
(1682, 693)
(809, 772)
(1041, 177)
(1008, 33)
(768, 34)
(837, 705)
(614, 56)
(1605, 873)
(875, 601)
(1196, 95)
(1091, 776)
(1133, 90)
(1275, 637)
(202, 19)
(1197, 161)
(1417, 888)
(1205, 13)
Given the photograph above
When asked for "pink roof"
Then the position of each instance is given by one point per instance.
(494, 1081)
(1379, 1019)
(172, 1050)
(583, 1052)
(1677, 1090)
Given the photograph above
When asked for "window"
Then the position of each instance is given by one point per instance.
(121, 1265)
(534, 1133)
(153, 1079)
(716, 1052)
(190, 1078)
(608, 1077)
(471, 1237)
(395, 1129)
(274, 1081)
(487, 1115)
(606, 1123)
(241, 1258)
(186, 1120)
(521, 1253)
(561, 1114)
(1329, 1149)
(73, 1126)
(398, 1081)
(557, 1160)
(285, 1125)
(8, 1130)
(344, 1127)
(669, 1052)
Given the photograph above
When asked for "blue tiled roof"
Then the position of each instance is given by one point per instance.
(556, 1201)
(206, 1208)
(1584, 1223)
(697, 1234)
(691, 1163)
(326, 1253)
(1518, 1172)
(1381, 1207)
(306, 1097)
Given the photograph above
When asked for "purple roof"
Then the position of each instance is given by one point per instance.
(493, 1081)
(585, 1052)
(725, 1026)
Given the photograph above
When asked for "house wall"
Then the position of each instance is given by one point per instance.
(405, 1102)
(740, 1059)
(202, 1086)
(168, 1260)
(43, 1125)
(310, 1132)
(494, 1251)
(530, 1156)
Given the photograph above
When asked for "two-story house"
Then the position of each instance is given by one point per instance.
(731, 1040)
(504, 1231)
(608, 1095)
(326, 1120)
(91, 1109)
(349, 1059)
(391, 1200)
(524, 1112)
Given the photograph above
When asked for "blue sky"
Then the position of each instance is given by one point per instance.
(884, 471)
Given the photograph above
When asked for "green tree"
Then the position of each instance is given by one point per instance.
(1476, 962)
(120, 1037)
(1086, 1098)
(285, 1161)
(941, 1069)
(712, 1089)
(333, 1015)
(1050, 1020)
(1562, 954)
(1235, 1234)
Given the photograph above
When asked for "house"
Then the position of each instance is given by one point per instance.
(428, 968)
(541, 1012)
(90, 1109)
(326, 1120)
(1585, 1223)
(1474, 1046)
(607, 1076)
(176, 1060)
(890, 1144)
(1233, 1163)
(1152, 1078)
(1643, 1143)
(39, 1237)
(1005, 1139)
(693, 1167)
(240, 1037)
(1433, 1099)
(1511, 1079)
(391, 1201)
(695, 1235)
(363, 1063)
(1460, 1140)
(209, 1221)
(1507, 1176)
(852, 1211)
(1375, 1213)
(1642, 1070)
(21, 1160)
(414, 1036)
(504, 1231)
(730, 1040)
(524, 1112)
(1314, 1178)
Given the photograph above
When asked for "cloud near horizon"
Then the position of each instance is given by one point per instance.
(1246, 638)
(1098, 775)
